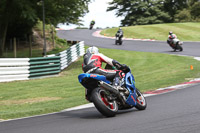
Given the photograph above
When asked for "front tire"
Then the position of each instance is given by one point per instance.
(106, 107)
(180, 48)
(141, 101)
(116, 42)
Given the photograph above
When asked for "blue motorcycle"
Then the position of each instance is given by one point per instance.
(107, 99)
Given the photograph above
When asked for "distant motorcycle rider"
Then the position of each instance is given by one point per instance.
(119, 33)
(92, 22)
(171, 37)
(93, 61)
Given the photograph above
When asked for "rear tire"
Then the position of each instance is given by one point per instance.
(141, 101)
(106, 107)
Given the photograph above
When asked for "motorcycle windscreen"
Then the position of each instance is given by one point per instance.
(129, 81)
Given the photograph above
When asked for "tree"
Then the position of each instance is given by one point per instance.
(174, 6)
(191, 2)
(18, 17)
(63, 11)
(195, 10)
(4, 12)
(183, 16)
(137, 12)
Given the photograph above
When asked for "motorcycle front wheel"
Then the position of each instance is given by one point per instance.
(180, 48)
(141, 101)
(103, 103)
(116, 42)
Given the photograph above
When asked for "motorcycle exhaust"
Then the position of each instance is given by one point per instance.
(111, 89)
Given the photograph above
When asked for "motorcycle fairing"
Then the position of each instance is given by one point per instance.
(175, 40)
(130, 85)
(93, 76)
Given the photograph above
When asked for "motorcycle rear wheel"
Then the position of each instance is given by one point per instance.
(101, 101)
(141, 101)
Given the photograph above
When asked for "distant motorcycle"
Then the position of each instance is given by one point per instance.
(91, 26)
(175, 44)
(118, 39)
(109, 100)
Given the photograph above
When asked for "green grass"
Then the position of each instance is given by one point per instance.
(40, 96)
(184, 31)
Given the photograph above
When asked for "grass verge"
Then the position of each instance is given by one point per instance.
(40, 96)
(184, 31)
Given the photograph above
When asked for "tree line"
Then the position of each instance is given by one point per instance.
(18, 17)
(141, 12)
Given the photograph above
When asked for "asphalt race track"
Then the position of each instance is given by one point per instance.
(189, 48)
(173, 112)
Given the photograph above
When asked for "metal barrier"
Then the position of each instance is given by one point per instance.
(28, 68)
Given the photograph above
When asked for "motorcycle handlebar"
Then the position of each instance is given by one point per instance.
(124, 68)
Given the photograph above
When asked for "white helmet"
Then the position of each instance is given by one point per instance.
(93, 50)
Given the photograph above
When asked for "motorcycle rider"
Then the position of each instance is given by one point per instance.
(92, 24)
(93, 61)
(119, 32)
(171, 36)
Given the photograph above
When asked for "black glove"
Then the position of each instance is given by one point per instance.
(125, 68)
(122, 67)
(117, 64)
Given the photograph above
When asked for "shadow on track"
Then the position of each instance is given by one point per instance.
(92, 113)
